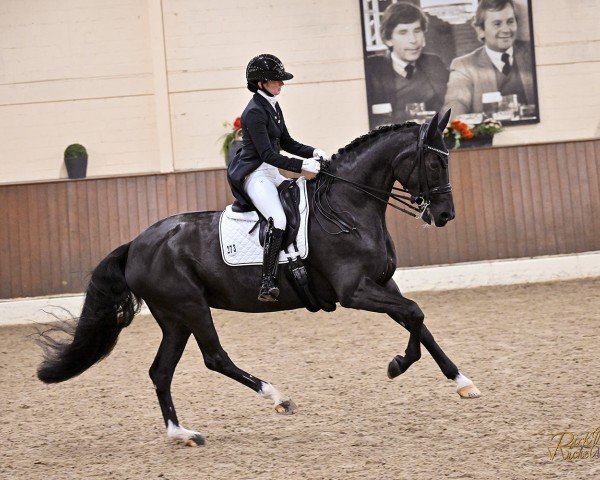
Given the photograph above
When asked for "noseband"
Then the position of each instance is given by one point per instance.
(422, 200)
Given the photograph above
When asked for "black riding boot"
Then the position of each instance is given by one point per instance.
(268, 287)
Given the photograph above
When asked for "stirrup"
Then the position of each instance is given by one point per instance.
(268, 296)
(268, 290)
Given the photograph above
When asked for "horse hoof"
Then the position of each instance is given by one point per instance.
(469, 391)
(394, 369)
(195, 441)
(287, 407)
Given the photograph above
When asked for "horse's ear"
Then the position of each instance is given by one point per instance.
(432, 128)
(444, 121)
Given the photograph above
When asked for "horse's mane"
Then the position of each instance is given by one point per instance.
(372, 134)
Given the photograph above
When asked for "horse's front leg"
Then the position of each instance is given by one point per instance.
(464, 386)
(371, 296)
(411, 319)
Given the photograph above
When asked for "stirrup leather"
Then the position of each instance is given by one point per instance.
(268, 288)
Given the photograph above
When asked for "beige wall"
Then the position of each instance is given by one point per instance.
(75, 71)
(207, 52)
(146, 85)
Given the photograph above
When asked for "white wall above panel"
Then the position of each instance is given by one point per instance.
(317, 114)
(118, 133)
(69, 50)
(73, 71)
(210, 43)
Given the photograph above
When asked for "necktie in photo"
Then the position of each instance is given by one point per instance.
(506, 68)
(409, 71)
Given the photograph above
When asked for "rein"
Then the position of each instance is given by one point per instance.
(422, 199)
(395, 196)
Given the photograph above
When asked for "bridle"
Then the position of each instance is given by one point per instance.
(422, 199)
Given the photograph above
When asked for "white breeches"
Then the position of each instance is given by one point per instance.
(261, 186)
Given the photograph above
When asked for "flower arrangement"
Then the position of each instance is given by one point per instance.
(488, 127)
(459, 131)
(234, 134)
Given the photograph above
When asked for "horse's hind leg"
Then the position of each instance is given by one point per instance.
(175, 337)
(216, 359)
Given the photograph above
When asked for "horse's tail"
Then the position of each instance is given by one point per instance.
(109, 307)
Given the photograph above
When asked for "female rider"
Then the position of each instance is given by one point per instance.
(253, 173)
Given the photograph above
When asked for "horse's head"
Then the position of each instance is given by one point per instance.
(422, 169)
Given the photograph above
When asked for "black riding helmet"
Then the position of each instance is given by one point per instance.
(265, 67)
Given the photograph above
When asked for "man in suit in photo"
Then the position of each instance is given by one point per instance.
(404, 74)
(503, 64)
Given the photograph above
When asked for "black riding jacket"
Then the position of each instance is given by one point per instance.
(264, 135)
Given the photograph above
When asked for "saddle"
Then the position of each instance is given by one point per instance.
(289, 196)
(295, 271)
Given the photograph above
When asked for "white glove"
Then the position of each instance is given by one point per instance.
(311, 165)
(320, 153)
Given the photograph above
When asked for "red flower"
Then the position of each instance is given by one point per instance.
(462, 128)
(237, 123)
(458, 125)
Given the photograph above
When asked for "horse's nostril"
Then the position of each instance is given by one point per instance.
(445, 216)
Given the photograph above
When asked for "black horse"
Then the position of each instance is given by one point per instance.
(175, 266)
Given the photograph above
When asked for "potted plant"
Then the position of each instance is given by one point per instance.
(459, 134)
(76, 159)
(232, 140)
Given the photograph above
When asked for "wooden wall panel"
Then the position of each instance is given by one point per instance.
(48, 241)
(23, 255)
(591, 153)
(510, 202)
(5, 257)
(35, 240)
(16, 266)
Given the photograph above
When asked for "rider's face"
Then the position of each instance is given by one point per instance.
(273, 86)
(407, 41)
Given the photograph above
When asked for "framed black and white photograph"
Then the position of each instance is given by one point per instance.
(425, 56)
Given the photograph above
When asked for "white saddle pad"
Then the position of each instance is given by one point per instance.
(238, 247)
